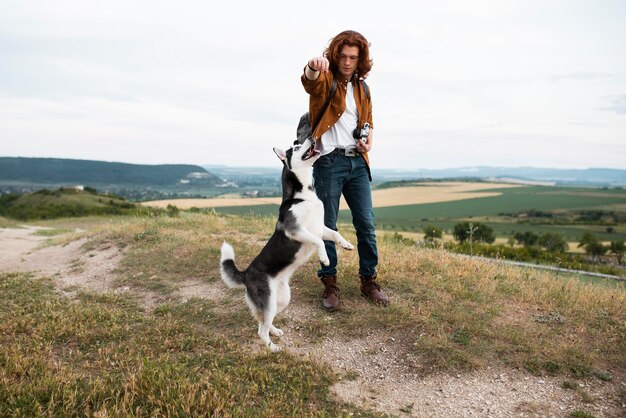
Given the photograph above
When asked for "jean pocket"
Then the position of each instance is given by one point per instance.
(325, 161)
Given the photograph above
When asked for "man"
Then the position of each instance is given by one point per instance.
(344, 142)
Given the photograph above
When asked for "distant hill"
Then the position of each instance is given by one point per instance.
(65, 202)
(596, 177)
(100, 173)
(593, 177)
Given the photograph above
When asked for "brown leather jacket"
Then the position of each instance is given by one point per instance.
(319, 89)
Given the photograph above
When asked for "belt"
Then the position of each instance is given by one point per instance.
(348, 152)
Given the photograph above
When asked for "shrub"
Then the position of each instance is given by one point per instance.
(592, 246)
(552, 242)
(432, 233)
(475, 232)
(526, 239)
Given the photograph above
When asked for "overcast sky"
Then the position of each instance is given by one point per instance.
(455, 83)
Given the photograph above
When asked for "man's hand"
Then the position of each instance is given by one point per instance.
(319, 64)
(364, 147)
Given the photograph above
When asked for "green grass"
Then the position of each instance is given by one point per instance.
(512, 200)
(62, 356)
(8, 223)
(458, 311)
(51, 232)
(46, 204)
(100, 354)
(256, 210)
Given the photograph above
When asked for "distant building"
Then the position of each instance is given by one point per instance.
(198, 175)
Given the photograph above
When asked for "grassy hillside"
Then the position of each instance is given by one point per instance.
(46, 204)
(95, 173)
(109, 354)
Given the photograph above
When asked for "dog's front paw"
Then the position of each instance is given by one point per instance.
(325, 261)
(346, 245)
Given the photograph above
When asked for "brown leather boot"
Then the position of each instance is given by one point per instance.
(330, 298)
(371, 290)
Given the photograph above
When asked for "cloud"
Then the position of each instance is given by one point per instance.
(195, 83)
(618, 105)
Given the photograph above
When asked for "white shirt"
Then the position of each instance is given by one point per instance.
(340, 134)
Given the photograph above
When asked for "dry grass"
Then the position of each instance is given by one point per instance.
(215, 202)
(425, 193)
(103, 353)
(459, 313)
(100, 355)
(434, 193)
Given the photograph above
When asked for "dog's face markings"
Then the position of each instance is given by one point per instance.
(285, 156)
(298, 155)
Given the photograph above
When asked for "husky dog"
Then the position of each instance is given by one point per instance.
(299, 232)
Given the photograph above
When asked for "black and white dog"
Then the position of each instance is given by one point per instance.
(299, 232)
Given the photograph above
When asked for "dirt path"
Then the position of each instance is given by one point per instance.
(379, 374)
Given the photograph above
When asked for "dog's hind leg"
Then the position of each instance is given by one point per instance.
(283, 296)
(265, 324)
(262, 317)
(265, 327)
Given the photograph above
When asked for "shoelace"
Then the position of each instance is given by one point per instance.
(330, 289)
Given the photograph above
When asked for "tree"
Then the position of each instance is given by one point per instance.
(595, 249)
(431, 233)
(467, 231)
(592, 246)
(527, 239)
(553, 242)
(586, 239)
(617, 248)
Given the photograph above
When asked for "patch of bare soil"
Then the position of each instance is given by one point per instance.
(379, 372)
(70, 264)
(74, 267)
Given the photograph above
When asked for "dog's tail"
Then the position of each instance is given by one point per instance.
(230, 274)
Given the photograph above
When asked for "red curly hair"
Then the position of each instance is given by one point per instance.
(350, 38)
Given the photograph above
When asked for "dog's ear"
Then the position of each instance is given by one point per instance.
(281, 154)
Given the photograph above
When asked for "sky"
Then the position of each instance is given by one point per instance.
(455, 83)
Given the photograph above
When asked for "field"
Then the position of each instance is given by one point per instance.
(126, 316)
(443, 205)
(410, 195)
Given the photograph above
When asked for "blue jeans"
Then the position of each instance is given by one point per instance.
(336, 174)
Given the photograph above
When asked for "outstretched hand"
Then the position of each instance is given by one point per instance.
(319, 64)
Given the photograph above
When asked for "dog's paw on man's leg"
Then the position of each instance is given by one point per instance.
(345, 244)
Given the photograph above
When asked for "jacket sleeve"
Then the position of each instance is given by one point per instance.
(317, 87)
